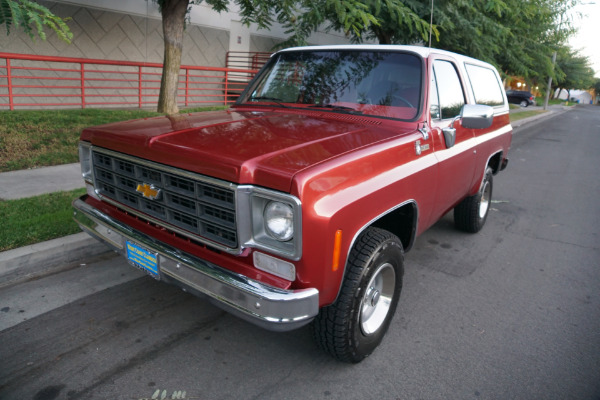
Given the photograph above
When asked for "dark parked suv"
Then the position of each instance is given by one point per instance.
(520, 97)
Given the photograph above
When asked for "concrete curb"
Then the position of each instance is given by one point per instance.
(548, 114)
(45, 258)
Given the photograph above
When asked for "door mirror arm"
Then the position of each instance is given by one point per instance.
(472, 116)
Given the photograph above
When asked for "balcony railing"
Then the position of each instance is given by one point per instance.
(246, 59)
(30, 81)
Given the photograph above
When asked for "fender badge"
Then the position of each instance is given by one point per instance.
(419, 148)
(148, 191)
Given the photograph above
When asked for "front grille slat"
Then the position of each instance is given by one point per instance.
(200, 207)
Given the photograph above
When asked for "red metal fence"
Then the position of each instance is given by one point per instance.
(251, 61)
(29, 81)
(246, 59)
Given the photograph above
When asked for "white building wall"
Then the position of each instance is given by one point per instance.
(131, 30)
(581, 96)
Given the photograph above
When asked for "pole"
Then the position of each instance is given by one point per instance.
(550, 82)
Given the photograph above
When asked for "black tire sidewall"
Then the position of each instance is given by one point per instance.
(390, 251)
(466, 213)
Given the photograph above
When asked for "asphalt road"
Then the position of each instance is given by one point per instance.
(510, 313)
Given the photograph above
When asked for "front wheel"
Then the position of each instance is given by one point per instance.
(352, 327)
(470, 215)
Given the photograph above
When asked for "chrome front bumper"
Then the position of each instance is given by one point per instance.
(266, 306)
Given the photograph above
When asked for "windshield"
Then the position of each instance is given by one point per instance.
(374, 83)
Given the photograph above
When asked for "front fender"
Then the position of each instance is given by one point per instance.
(354, 194)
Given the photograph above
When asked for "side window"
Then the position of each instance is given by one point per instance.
(486, 87)
(450, 90)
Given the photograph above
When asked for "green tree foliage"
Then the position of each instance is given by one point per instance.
(299, 17)
(387, 21)
(596, 88)
(32, 18)
(573, 71)
(518, 36)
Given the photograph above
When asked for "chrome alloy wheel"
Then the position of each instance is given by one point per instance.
(486, 194)
(377, 299)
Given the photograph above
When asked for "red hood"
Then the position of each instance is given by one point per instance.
(245, 147)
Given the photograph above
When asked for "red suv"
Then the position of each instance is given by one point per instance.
(298, 203)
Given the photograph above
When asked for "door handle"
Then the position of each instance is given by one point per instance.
(449, 136)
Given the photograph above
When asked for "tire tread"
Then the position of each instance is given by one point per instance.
(330, 327)
(466, 213)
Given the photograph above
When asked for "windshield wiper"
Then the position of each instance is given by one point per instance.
(267, 98)
(347, 110)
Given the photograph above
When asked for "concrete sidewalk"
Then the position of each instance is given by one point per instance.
(52, 256)
(34, 182)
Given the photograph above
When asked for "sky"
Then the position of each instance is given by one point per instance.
(587, 38)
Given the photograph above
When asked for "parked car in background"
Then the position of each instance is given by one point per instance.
(520, 97)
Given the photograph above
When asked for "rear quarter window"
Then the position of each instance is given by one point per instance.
(485, 84)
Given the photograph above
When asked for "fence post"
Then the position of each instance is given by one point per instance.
(82, 85)
(9, 81)
(226, 87)
(140, 86)
(187, 86)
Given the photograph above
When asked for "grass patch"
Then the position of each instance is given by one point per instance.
(200, 109)
(37, 219)
(525, 114)
(555, 102)
(38, 138)
(35, 138)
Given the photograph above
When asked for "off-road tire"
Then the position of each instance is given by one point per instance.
(352, 327)
(470, 215)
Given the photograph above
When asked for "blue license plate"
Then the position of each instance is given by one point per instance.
(142, 258)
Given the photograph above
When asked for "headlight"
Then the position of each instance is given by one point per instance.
(274, 224)
(279, 221)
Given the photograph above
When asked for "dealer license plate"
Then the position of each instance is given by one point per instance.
(142, 258)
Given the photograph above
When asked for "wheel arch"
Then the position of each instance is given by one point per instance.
(401, 220)
(495, 161)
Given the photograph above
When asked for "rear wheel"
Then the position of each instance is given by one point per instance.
(523, 103)
(352, 327)
(470, 215)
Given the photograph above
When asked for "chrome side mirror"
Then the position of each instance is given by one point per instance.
(476, 116)
(472, 116)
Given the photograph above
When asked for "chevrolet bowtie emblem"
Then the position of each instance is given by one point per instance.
(148, 191)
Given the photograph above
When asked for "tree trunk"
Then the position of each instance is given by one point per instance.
(173, 20)
(383, 36)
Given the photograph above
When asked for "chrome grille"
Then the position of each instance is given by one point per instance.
(186, 201)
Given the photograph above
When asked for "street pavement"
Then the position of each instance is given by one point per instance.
(512, 312)
(49, 257)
